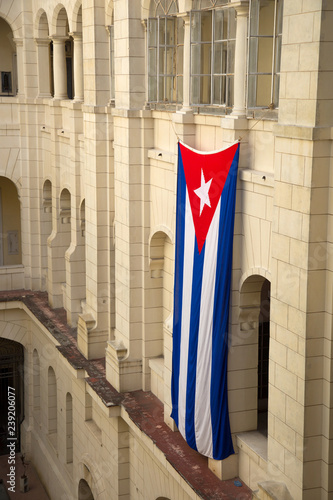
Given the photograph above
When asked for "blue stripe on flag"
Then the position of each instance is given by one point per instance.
(178, 289)
(222, 442)
(193, 345)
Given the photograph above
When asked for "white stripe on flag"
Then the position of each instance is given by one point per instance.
(203, 424)
(189, 242)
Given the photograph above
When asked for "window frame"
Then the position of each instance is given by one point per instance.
(276, 59)
(160, 75)
(229, 40)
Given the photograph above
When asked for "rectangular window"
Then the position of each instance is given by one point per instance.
(213, 34)
(165, 59)
(265, 38)
(6, 82)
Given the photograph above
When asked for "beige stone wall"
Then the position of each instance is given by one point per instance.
(96, 181)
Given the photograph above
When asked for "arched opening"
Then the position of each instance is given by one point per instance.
(8, 66)
(11, 391)
(77, 56)
(10, 224)
(45, 70)
(69, 428)
(36, 384)
(161, 285)
(62, 56)
(254, 332)
(52, 407)
(85, 492)
(46, 226)
(263, 356)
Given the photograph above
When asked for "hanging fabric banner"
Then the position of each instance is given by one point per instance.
(206, 193)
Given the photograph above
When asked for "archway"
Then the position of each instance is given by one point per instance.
(11, 394)
(8, 66)
(10, 224)
(254, 330)
(85, 492)
(263, 356)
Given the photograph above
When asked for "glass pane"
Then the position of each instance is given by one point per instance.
(180, 52)
(152, 89)
(195, 59)
(170, 34)
(278, 42)
(252, 90)
(170, 89)
(205, 89)
(195, 26)
(218, 50)
(219, 90)
(279, 17)
(231, 57)
(254, 18)
(230, 91)
(152, 32)
(195, 89)
(253, 55)
(232, 23)
(206, 58)
(221, 2)
(170, 61)
(220, 32)
(265, 54)
(276, 90)
(263, 97)
(206, 26)
(266, 17)
(180, 31)
(180, 89)
(160, 96)
(161, 62)
(159, 11)
(162, 31)
(173, 7)
(152, 62)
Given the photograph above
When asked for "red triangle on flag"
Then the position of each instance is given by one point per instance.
(205, 175)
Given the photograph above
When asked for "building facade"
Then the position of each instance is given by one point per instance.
(94, 96)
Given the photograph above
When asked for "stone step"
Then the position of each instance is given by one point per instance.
(271, 490)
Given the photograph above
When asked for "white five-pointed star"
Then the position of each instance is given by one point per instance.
(202, 192)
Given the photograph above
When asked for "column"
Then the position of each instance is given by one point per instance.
(59, 67)
(242, 9)
(186, 64)
(43, 61)
(78, 66)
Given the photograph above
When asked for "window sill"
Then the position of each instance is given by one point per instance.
(253, 443)
(263, 114)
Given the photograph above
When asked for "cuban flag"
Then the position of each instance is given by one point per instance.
(206, 193)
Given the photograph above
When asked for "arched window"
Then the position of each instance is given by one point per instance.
(69, 428)
(254, 328)
(165, 52)
(213, 36)
(36, 385)
(10, 224)
(52, 406)
(265, 39)
(7, 60)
